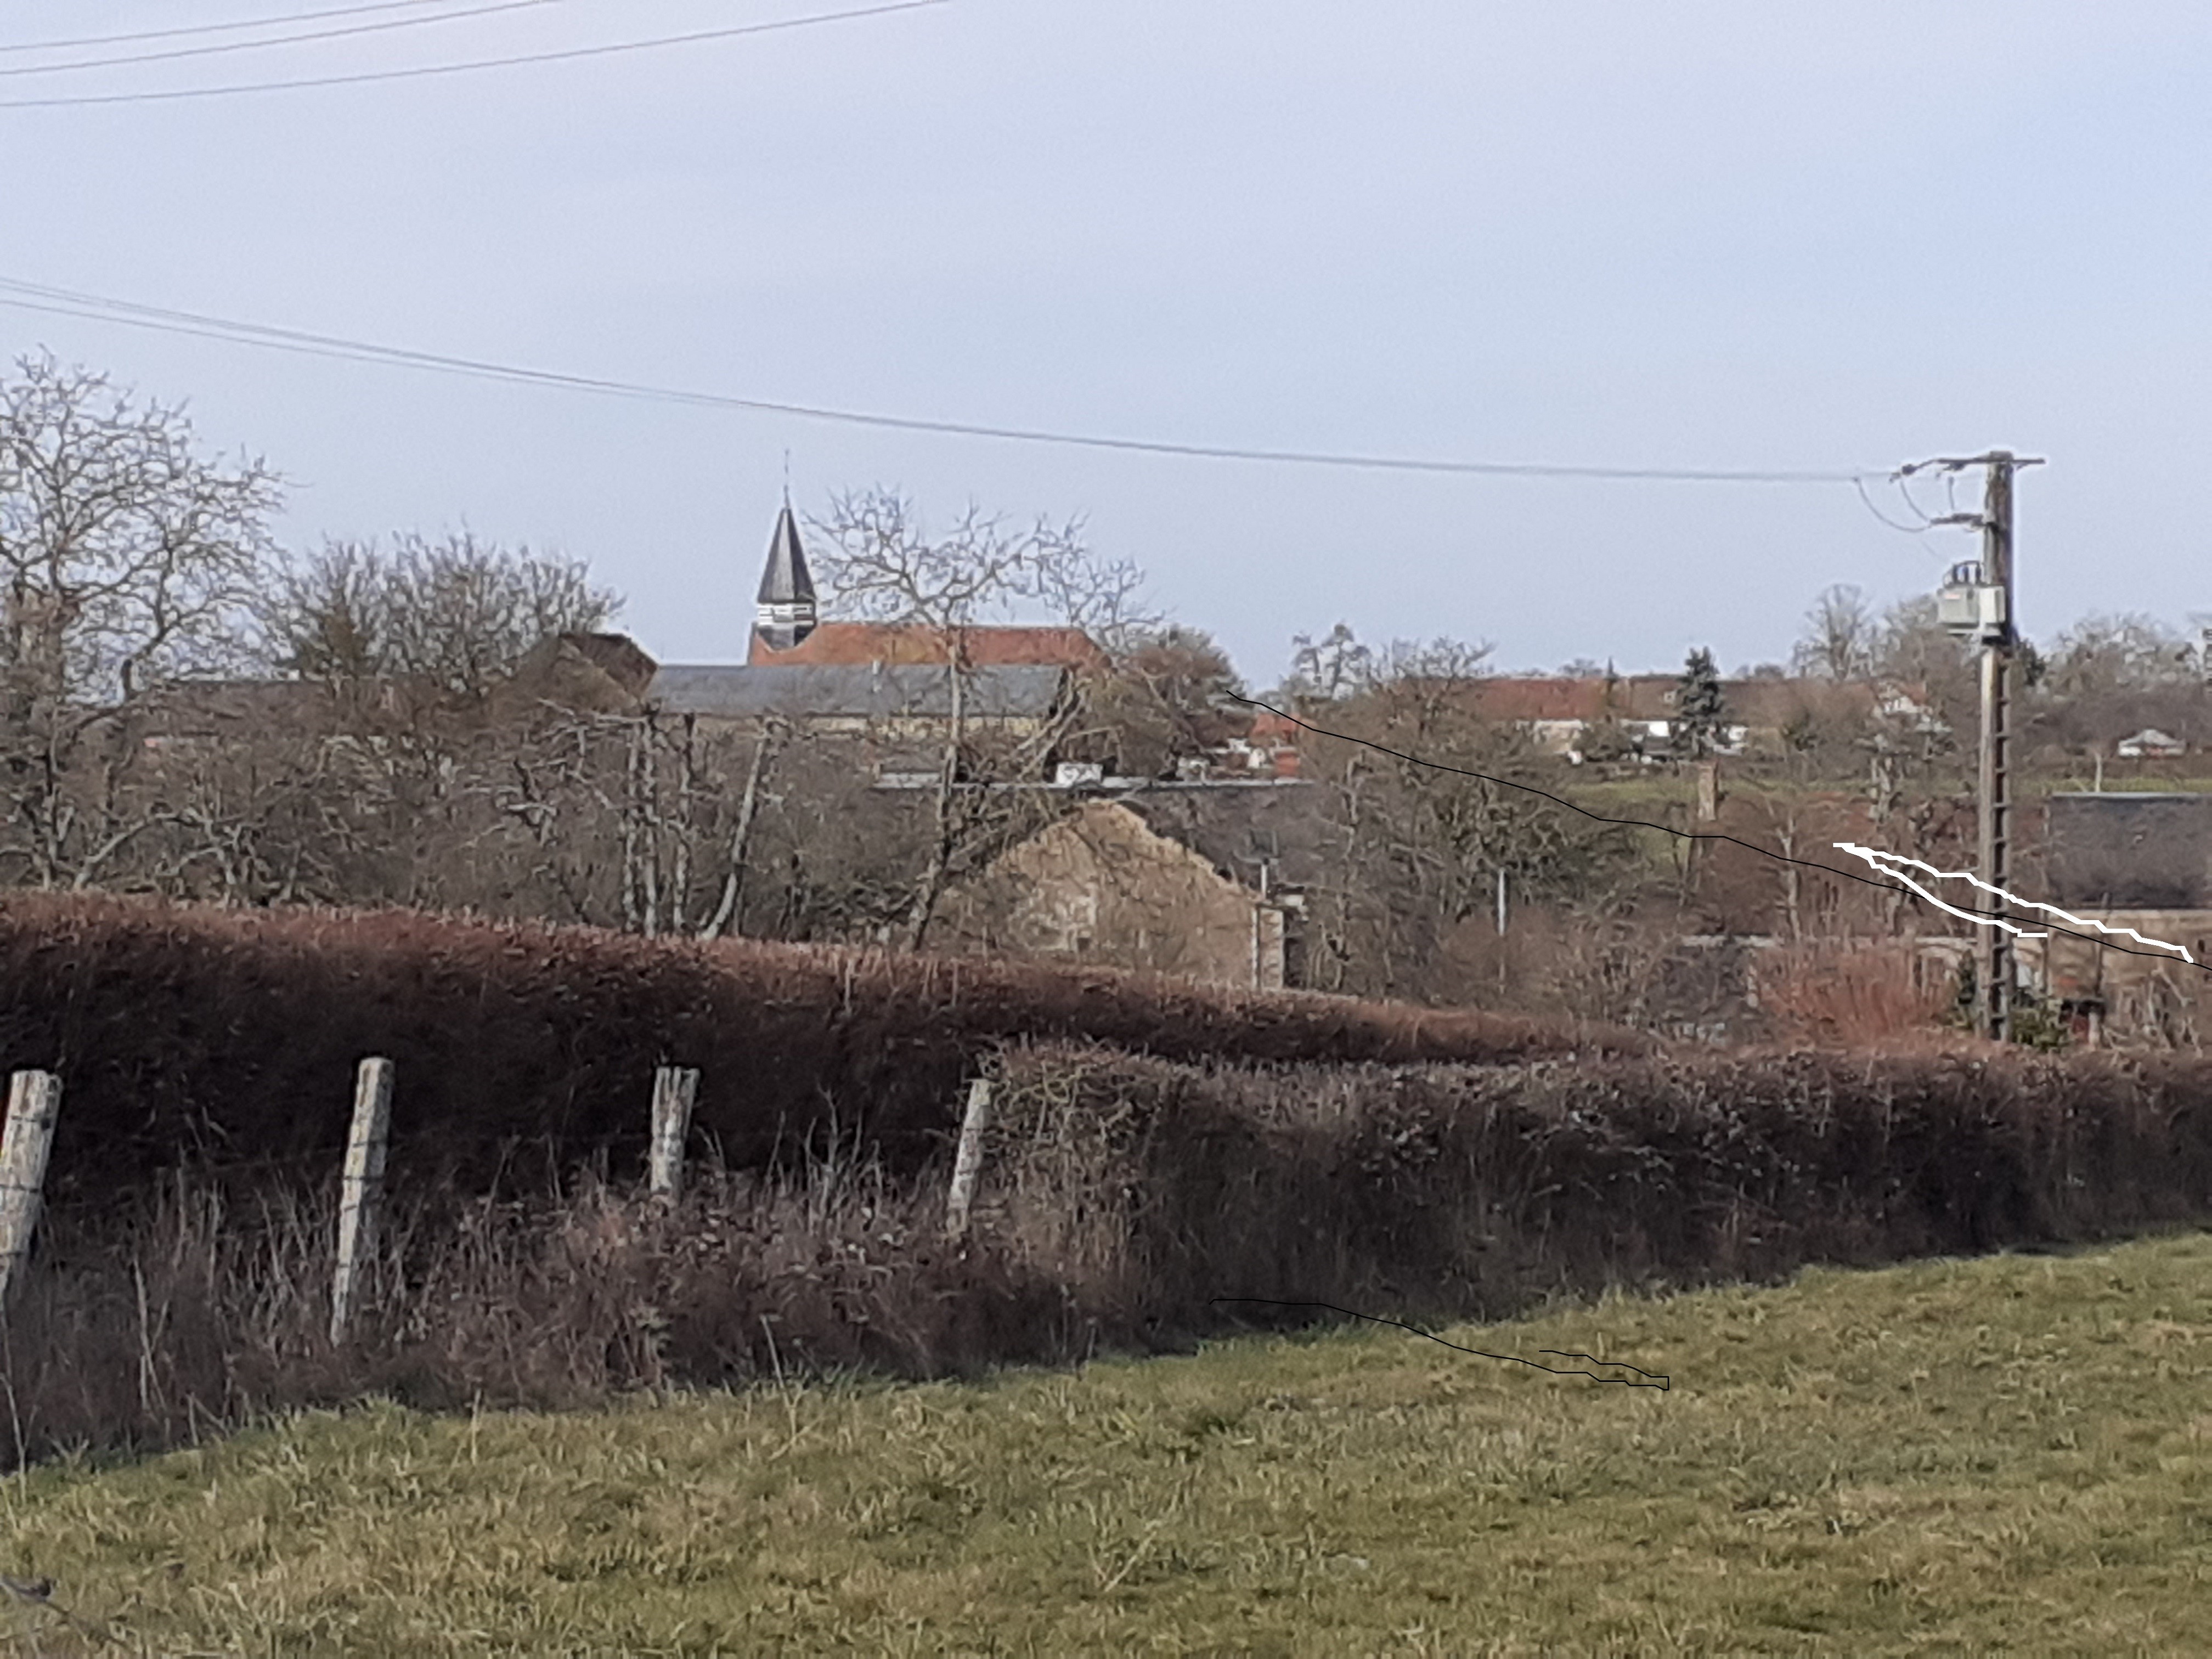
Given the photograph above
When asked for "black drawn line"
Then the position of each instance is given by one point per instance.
(1664, 829)
(1664, 1384)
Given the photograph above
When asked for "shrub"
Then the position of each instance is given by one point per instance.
(230, 1037)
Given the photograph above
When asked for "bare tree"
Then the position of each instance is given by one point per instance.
(1329, 669)
(1170, 696)
(1418, 849)
(450, 617)
(2105, 653)
(402, 650)
(128, 557)
(2109, 677)
(1839, 637)
(284, 816)
(881, 562)
(631, 818)
(1914, 649)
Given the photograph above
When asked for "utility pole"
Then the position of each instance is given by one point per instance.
(1978, 603)
(1994, 778)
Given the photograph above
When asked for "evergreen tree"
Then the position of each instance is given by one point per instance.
(1700, 718)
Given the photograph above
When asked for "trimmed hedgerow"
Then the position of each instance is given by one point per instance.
(1459, 1190)
(231, 1037)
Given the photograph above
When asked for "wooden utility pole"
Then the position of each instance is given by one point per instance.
(1994, 983)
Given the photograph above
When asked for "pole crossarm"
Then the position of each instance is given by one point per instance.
(1959, 463)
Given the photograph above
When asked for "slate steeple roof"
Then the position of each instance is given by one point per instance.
(786, 614)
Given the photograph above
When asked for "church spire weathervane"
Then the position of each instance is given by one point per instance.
(786, 614)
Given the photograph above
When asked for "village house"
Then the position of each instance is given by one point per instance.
(2133, 860)
(1111, 883)
(2150, 743)
(1563, 716)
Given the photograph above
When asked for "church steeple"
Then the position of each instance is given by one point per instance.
(786, 613)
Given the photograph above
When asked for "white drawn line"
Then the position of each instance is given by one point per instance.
(1881, 862)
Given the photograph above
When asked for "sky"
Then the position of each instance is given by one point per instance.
(1702, 235)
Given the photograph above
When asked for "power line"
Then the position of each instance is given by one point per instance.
(1908, 528)
(137, 35)
(171, 53)
(566, 55)
(66, 302)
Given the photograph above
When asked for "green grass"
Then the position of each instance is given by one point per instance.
(2006, 1455)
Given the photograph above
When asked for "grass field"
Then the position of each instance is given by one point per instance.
(2005, 1454)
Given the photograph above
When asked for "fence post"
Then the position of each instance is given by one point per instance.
(968, 1160)
(364, 1188)
(35, 1099)
(674, 1090)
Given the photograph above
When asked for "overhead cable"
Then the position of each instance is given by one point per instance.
(169, 54)
(41, 297)
(134, 36)
(566, 55)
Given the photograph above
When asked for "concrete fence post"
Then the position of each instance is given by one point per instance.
(968, 1160)
(362, 1191)
(34, 1100)
(674, 1089)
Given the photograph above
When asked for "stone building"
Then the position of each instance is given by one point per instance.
(2132, 860)
(1103, 885)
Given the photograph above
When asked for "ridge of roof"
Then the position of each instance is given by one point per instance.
(994, 644)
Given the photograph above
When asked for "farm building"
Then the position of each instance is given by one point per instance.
(1103, 885)
(2130, 860)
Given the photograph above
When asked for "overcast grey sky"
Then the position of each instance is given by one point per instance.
(1700, 234)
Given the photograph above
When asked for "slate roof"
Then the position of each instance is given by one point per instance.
(869, 691)
(2130, 850)
(786, 579)
(786, 614)
(859, 643)
(1239, 828)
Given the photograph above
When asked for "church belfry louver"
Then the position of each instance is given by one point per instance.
(786, 613)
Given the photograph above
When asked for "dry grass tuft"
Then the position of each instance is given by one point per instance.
(2003, 1456)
